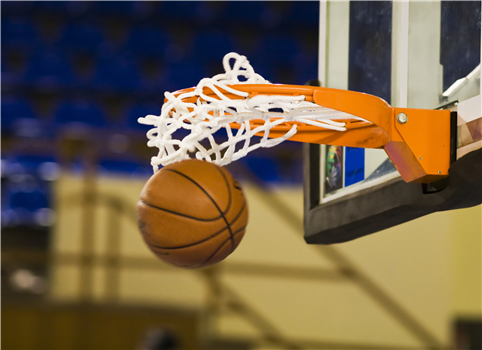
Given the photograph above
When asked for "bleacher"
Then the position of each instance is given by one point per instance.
(93, 68)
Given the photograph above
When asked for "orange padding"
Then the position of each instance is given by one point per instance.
(419, 148)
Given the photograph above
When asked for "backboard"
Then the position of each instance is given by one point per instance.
(412, 54)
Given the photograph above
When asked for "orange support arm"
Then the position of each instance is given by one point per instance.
(416, 140)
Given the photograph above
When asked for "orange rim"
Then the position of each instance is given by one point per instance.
(427, 132)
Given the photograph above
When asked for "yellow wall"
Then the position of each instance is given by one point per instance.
(430, 267)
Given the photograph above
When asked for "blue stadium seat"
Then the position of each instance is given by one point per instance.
(184, 10)
(26, 195)
(152, 82)
(212, 45)
(125, 166)
(116, 73)
(51, 7)
(29, 163)
(108, 7)
(138, 110)
(49, 69)
(14, 108)
(18, 33)
(247, 11)
(31, 128)
(5, 66)
(278, 49)
(70, 7)
(9, 77)
(304, 13)
(29, 200)
(306, 68)
(147, 40)
(275, 166)
(264, 167)
(12, 8)
(130, 9)
(81, 36)
(66, 9)
(182, 75)
(80, 111)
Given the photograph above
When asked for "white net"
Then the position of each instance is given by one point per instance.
(209, 115)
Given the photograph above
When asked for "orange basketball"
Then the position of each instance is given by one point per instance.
(192, 213)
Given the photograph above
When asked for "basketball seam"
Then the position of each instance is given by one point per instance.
(217, 250)
(231, 236)
(180, 214)
(205, 239)
(212, 200)
(220, 246)
(206, 193)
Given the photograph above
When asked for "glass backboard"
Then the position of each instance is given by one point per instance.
(411, 54)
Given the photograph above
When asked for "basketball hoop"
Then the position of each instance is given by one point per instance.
(244, 104)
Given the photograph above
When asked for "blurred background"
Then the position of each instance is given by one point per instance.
(75, 273)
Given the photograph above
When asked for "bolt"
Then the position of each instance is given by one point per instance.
(419, 157)
(439, 172)
(402, 118)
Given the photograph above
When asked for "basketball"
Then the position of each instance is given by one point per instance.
(192, 213)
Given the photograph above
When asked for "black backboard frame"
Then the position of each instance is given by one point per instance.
(385, 205)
